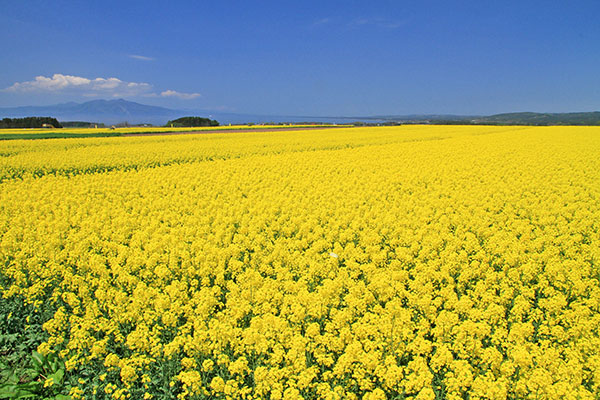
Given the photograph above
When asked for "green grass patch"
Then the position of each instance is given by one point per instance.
(55, 135)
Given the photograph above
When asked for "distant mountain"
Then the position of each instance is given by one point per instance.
(520, 118)
(531, 118)
(107, 111)
(116, 111)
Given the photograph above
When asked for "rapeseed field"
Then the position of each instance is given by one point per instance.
(42, 133)
(411, 262)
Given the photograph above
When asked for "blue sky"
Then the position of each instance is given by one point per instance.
(305, 57)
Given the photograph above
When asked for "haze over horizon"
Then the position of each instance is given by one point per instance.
(309, 58)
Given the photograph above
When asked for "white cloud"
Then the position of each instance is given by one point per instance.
(379, 22)
(322, 21)
(142, 58)
(77, 85)
(57, 82)
(180, 95)
(361, 22)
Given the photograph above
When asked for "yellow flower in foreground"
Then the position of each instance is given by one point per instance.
(371, 263)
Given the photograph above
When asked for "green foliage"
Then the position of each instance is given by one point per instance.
(24, 371)
(29, 122)
(82, 124)
(192, 122)
(521, 118)
(20, 329)
(55, 135)
(530, 118)
(42, 378)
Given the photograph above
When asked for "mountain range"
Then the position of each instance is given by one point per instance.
(118, 111)
(105, 111)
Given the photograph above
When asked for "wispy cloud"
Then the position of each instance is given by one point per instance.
(113, 87)
(142, 58)
(180, 95)
(379, 22)
(322, 21)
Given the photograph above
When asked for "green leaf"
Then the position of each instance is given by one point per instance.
(21, 393)
(38, 359)
(57, 377)
(31, 387)
(8, 390)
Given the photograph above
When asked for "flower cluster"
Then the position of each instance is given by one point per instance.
(403, 262)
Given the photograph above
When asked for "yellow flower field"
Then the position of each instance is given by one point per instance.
(144, 129)
(411, 262)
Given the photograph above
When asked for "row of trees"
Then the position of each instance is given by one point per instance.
(44, 122)
(82, 124)
(29, 122)
(192, 122)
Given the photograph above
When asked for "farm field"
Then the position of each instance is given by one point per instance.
(70, 133)
(410, 262)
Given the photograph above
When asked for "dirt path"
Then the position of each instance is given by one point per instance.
(307, 128)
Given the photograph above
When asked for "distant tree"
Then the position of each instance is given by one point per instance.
(185, 122)
(81, 124)
(29, 122)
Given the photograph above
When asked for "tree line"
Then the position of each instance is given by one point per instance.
(29, 122)
(192, 122)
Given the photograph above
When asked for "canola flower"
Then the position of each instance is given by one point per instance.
(374, 263)
(146, 129)
(19, 158)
